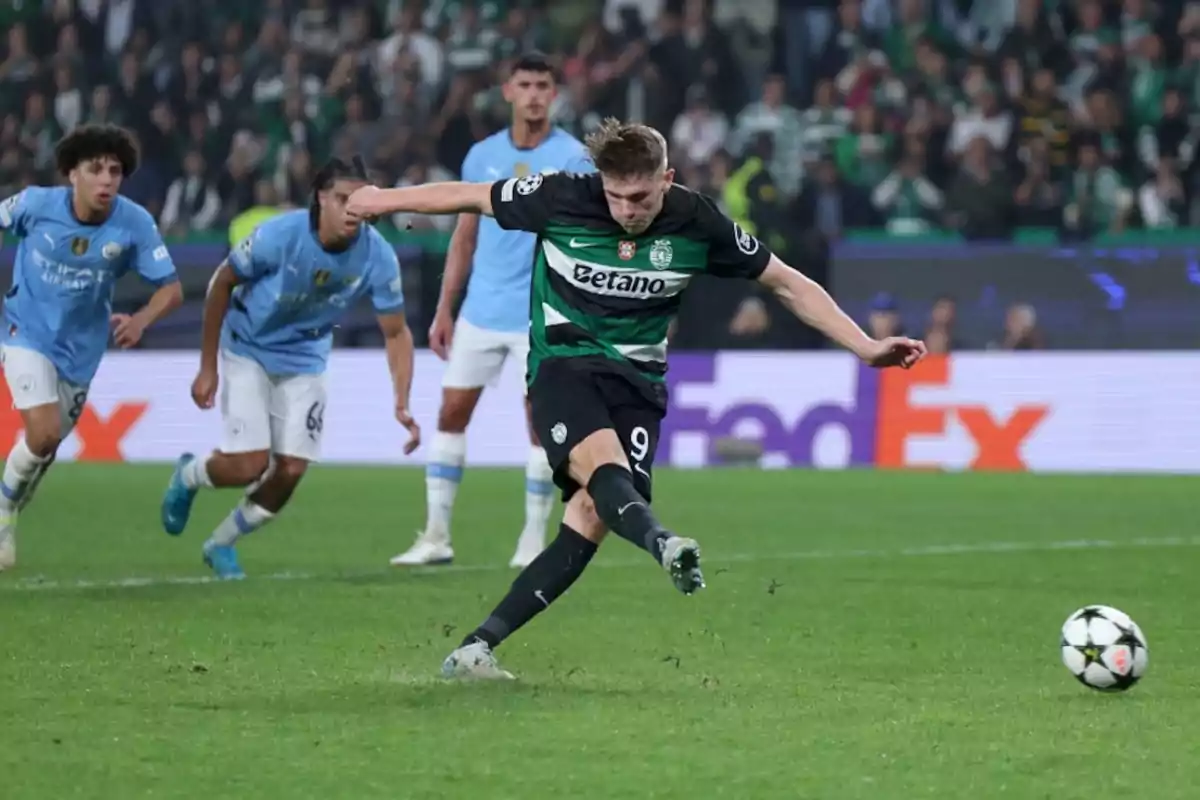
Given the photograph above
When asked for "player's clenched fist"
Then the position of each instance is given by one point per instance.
(127, 330)
(895, 351)
(204, 388)
(364, 202)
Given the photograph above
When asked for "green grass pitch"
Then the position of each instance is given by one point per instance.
(863, 635)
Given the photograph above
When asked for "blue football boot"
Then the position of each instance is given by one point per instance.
(223, 560)
(177, 501)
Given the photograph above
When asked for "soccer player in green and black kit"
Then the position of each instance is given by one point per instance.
(615, 252)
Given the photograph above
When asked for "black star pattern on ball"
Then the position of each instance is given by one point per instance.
(1093, 653)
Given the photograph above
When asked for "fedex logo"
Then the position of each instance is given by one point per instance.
(879, 421)
(997, 439)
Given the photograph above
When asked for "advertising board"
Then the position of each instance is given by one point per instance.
(1042, 412)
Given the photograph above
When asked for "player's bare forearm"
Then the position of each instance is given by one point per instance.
(165, 299)
(813, 305)
(446, 197)
(458, 261)
(216, 306)
(398, 343)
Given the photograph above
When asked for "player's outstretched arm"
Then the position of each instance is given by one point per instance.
(447, 197)
(807, 300)
(398, 342)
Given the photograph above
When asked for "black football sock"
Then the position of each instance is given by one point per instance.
(538, 585)
(624, 510)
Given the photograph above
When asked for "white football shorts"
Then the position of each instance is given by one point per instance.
(280, 414)
(33, 381)
(477, 355)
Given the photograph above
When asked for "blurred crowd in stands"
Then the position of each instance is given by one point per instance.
(972, 116)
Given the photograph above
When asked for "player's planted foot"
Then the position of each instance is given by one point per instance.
(177, 502)
(681, 558)
(427, 551)
(474, 661)
(223, 560)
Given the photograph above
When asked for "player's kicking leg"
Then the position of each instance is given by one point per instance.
(617, 498)
(562, 563)
(48, 408)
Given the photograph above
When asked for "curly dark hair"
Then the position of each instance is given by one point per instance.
(626, 149)
(95, 141)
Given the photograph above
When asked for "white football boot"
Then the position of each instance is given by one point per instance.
(474, 661)
(8, 540)
(429, 549)
(681, 558)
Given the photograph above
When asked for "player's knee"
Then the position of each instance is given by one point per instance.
(599, 448)
(457, 407)
(249, 467)
(43, 444)
(43, 431)
(580, 516)
(289, 471)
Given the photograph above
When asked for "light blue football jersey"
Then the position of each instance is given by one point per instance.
(294, 291)
(498, 290)
(60, 302)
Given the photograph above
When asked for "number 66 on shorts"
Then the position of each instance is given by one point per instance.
(280, 414)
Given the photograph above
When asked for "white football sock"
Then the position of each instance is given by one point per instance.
(443, 474)
(246, 518)
(195, 474)
(539, 494)
(21, 470)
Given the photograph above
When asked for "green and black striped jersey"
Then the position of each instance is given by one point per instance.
(600, 292)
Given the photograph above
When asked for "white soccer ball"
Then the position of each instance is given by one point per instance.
(1104, 648)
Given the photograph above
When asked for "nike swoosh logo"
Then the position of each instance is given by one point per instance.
(638, 468)
(576, 243)
(621, 511)
(538, 594)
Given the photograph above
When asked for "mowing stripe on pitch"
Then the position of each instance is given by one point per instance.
(44, 584)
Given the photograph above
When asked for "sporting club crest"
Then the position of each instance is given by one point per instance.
(661, 254)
